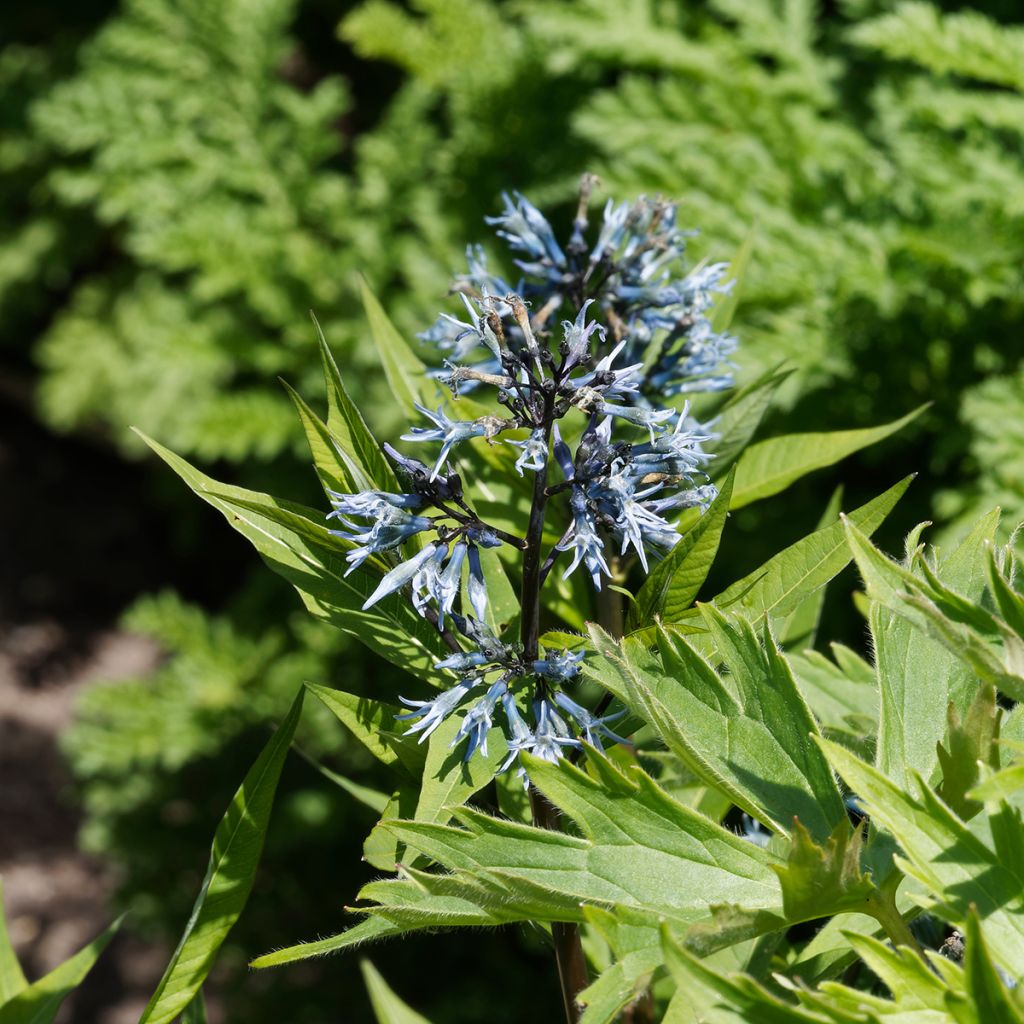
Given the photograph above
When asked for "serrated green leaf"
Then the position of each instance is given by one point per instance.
(296, 544)
(957, 868)
(1004, 785)
(821, 881)
(234, 857)
(639, 848)
(12, 979)
(843, 697)
(748, 733)
(374, 724)
(346, 425)
(987, 999)
(771, 466)
(919, 670)
(705, 996)
(675, 581)
(387, 1007)
(969, 740)
(40, 1002)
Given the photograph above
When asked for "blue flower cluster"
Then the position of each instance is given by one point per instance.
(658, 313)
(637, 334)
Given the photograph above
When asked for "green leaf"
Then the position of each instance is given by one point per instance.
(725, 305)
(778, 586)
(39, 1002)
(195, 1012)
(747, 733)
(740, 417)
(296, 544)
(366, 931)
(771, 466)
(820, 881)
(675, 581)
(800, 627)
(380, 848)
(234, 857)
(843, 697)
(1004, 785)
(449, 780)
(387, 1007)
(406, 374)
(970, 740)
(918, 675)
(987, 999)
(638, 847)
(346, 425)
(706, 996)
(337, 470)
(12, 979)
(957, 868)
(373, 723)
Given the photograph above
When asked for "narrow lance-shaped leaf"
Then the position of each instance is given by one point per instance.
(346, 425)
(771, 466)
(229, 877)
(295, 542)
(800, 627)
(740, 417)
(675, 581)
(375, 725)
(778, 586)
(40, 1001)
(12, 979)
(405, 373)
(387, 1007)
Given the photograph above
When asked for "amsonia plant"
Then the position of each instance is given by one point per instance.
(651, 781)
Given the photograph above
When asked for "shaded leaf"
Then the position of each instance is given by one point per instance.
(387, 1007)
(39, 1002)
(12, 979)
(234, 857)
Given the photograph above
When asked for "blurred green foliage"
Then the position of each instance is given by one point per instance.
(181, 181)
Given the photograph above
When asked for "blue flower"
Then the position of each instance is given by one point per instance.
(584, 539)
(463, 660)
(521, 737)
(527, 230)
(477, 723)
(593, 727)
(577, 335)
(476, 588)
(450, 432)
(648, 418)
(432, 583)
(535, 452)
(400, 575)
(431, 713)
(559, 665)
(551, 733)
